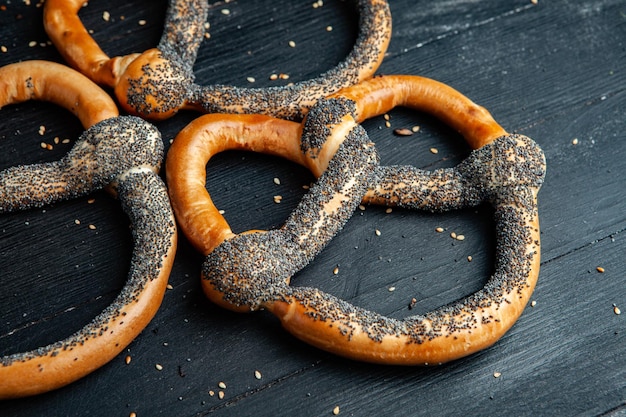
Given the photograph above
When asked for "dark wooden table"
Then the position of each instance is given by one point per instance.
(554, 70)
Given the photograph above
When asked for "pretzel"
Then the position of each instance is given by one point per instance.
(122, 153)
(251, 270)
(159, 82)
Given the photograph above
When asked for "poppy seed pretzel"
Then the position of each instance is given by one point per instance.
(159, 82)
(123, 153)
(252, 270)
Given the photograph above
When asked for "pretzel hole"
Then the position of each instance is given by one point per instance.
(270, 53)
(74, 283)
(249, 202)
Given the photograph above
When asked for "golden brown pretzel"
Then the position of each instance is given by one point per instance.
(159, 82)
(123, 153)
(252, 270)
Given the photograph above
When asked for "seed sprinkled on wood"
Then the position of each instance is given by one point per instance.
(469, 258)
(277, 181)
(220, 395)
(158, 367)
(76, 221)
(169, 287)
(361, 207)
(387, 123)
(329, 28)
(32, 43)
(133, 414)
(377, 232)
(439, 229)
(600, 269)
(278, 199)
(497, 374)
(106, 16)
(415, 129)
(616, 310)
(392, 289)
(453, 235)
(211, 392)
(257, 375)
(222, 385)
(336, 270)
(575, 141)
(292, 44)
(283, 76)
(250, 79)
(127, 359)
(221, 211)
(142, 22)
(388, 210)
(92, 226)
(336, 410)
(460, 237)
(273, 77)
(533, 303)
(42, 130)
(225, 12)
(3, 48)
(403, 132)
(412, 303)
(434, 150)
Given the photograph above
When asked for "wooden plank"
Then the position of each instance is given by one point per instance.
(553, 71)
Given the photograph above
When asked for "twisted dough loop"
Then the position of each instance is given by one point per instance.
(252, 270)
(159, 82)
(123, 153)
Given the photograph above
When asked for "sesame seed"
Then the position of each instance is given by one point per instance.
(600, 269)
(142, 22)
(250, 79)
(403, 132)
(377, 232)
(575, 141)
(497, 374)
(43, 145)
(616, 310)
(329, 28)
(3, 48)
(453, 235)
(127, 359)
(387, 123)
(439, 229)
(65, 141)
(392, 289)
(336, 410)
(434, 150)
(56, 140)
(225, 12)
(469, 258)
(389, 210)
(76, 221)
(336, 270)
(361, 207)
(221, 212)
(283, 76)
(292, 44)
(158, 367)
(91, 201)
(460, 237)
(211, 392)
(42, 130)
(32, 43)
(533, 303)
(257, 375)
(415, 129)
(386, 116)
(106, 16)
(133, 414)
(278, 199)
(274, 77)
(276, 180)
(222, 385)
(220, 395)
(169, 287)
(92, 226)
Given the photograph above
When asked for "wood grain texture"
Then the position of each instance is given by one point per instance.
(555, 71)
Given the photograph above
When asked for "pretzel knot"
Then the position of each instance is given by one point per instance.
(158, 83)
(124, 154)
(252, 270)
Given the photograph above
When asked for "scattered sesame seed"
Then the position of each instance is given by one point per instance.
(460, 237)
(76, 221)
(439, 229)
(387, 123)
(329, 28)
(169, 287)
(250, 79)
(158, 367)
(276, 180)
(415, 129)
(32, 43)
(106, 16)
(616, 310)
(575, 141)
(221, 212)
(453, 235)
(222, 385)
(412, 303)
(257, 375)
(403, 132)
(533, 303)
(389, 210)
(225, 12)
(91, 200)
(56, 140)
(142, 22)
(292, 44)
(274, 77)
(386, 116)
(278, 199)
(469, 258)
(392, 289)
(283, 76)
(65, 141)
(361, 207)
(3, 48)
(127, 359)
(497, 374)
(336, 270)
(600, 269)
(377, 232)
(133, 414)
(220, 395)
(92, 226)
(336, 410)
(434, 150)
(42, 130)
(43, 145)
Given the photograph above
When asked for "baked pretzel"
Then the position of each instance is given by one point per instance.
(122, 153)
(160, 82)
(252, 270)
